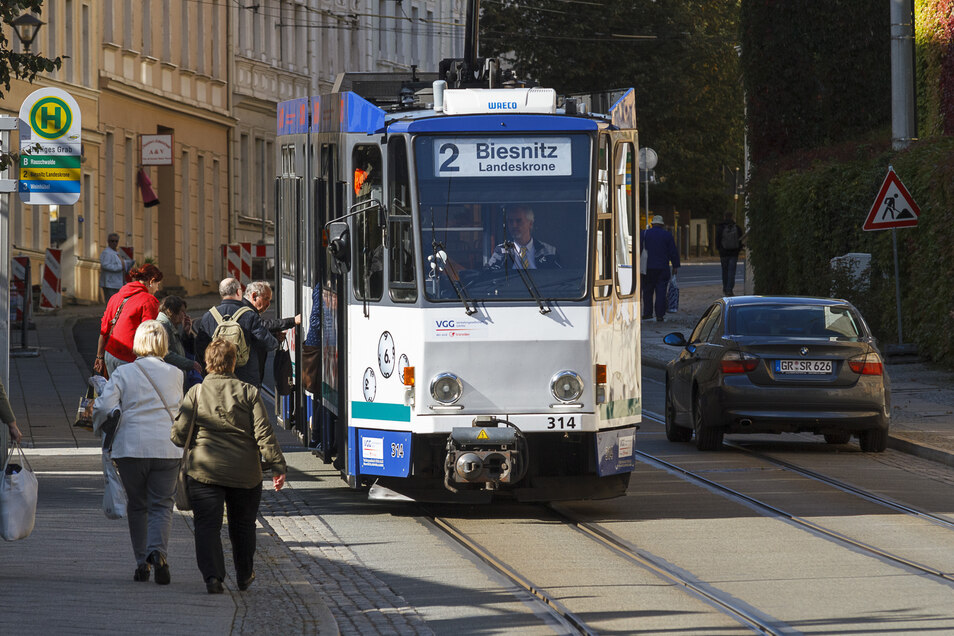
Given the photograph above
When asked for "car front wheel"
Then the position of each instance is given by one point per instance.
(707, 438)
(873, 440)
(674, 433)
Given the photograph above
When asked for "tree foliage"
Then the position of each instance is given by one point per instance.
(679, 56)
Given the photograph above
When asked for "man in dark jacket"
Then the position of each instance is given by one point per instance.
(257, 336)
(728, 240)
(258, 296)
(661, 248)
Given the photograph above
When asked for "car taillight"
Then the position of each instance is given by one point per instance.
(738, 362)
(867, 364)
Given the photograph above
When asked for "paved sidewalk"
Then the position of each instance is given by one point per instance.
(922, 396)
(73, 575)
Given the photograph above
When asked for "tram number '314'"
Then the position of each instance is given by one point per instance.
(561, 422)
(397, 450)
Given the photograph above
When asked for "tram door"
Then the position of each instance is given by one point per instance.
(289, 201)
(330, 389)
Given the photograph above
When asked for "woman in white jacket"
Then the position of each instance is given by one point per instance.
(147, 392)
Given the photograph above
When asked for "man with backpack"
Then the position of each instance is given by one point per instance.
(234, 320)
(728, 240)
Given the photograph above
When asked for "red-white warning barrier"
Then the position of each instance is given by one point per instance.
(20, 290)
(50, 297)
(238, 259)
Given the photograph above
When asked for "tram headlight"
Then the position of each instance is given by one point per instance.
(566, 386)
(446, 388)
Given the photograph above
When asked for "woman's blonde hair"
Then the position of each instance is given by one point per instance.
(220, 357)
(151, 339)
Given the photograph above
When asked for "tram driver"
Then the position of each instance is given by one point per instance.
(522, 250)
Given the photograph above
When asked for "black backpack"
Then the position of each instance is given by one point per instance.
(730, 237)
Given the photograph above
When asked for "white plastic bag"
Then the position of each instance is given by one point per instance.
(114, 494)
(17, 498)
(672, 295)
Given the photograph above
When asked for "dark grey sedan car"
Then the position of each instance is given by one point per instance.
(766, 364)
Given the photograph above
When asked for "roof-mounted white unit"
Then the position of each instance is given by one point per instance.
(475, 101)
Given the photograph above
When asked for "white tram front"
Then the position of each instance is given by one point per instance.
(467, 268)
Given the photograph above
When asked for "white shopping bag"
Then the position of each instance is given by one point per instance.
(18, 490)
(114, 494)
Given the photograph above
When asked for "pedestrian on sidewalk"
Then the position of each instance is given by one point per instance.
(126, 310)
(258, 296)
(232, 438)
(147, 392)
(661, 251)
(257, 338)
(178, 325)
(11, 431)
(112, 267)
(728, 241)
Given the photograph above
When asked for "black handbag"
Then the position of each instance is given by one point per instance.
(109, 428)
(282, 370)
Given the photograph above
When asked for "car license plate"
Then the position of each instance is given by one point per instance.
(819, 367)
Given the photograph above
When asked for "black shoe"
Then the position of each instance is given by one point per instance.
(214, 585)
(244, 583)
(162, 568)
(660, 320)
(141, 573)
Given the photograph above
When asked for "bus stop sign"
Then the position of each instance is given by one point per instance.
(50, 148)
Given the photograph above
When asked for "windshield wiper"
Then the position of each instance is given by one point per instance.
(527, 279)
(439, 262)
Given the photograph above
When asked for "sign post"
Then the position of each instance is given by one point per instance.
(894, 207)
(50, 148)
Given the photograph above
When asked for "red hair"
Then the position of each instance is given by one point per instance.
(145, 273)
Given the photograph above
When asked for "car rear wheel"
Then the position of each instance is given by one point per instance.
(837, 438)
(707, 438)
(873, 440)
(674, 433)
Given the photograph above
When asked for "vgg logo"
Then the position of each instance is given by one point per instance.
(445, 324)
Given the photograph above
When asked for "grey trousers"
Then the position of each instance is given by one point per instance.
(150, 484)
(112, 362)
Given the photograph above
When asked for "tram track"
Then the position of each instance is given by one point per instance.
(740, 612)
(806, 524)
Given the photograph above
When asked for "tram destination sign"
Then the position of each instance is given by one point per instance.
(502, 157)
(50, 148)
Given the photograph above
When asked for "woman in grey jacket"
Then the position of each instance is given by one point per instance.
(147, 391)
(231, 431)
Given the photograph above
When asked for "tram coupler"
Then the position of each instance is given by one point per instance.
(485, 454)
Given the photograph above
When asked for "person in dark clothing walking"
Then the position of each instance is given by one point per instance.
(257, 337)
(728, 240)
(661, 249)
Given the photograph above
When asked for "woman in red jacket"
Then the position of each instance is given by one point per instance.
(133, 304)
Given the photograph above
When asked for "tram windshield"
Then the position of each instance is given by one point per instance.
(504, 218)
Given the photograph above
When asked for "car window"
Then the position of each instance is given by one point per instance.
(713, 329)
(704, 325)
(795, 321)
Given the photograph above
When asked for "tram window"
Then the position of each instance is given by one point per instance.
(402, 284)
(624, 205)
(367, 233)
(604, 225)
(326, 203)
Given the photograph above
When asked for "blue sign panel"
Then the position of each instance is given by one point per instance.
(615, 451)
(386, 453)
(293, 116)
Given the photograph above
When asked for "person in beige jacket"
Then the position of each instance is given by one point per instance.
(231, 431)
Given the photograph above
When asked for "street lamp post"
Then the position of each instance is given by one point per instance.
(26, 27)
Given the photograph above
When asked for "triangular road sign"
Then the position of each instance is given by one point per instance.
(893, 207)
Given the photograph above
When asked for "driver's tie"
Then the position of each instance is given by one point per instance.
(523, 258)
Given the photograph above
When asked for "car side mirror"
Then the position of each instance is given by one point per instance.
(675, 339)
(339, 247)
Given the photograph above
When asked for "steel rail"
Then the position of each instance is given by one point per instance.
(573, 623)
(798, 521)
(752, 618)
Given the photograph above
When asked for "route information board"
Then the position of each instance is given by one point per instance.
(50, 148)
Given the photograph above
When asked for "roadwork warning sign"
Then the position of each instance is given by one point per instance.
(893, 207)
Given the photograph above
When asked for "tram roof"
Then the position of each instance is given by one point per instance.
(348, 112)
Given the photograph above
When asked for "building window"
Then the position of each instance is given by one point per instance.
(200, 219)
(68, 62)
(85, 44)
(186, 206)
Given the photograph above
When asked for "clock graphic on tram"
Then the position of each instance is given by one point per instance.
(369, 384)
(386, 354)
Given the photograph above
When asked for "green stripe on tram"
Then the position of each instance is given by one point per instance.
(381, 411)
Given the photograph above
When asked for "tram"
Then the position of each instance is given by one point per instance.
(465, 254)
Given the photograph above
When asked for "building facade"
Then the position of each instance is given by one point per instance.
(210, 73)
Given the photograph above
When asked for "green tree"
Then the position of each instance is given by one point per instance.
(25, 66)
(680, 57)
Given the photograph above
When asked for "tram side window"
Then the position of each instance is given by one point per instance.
(326, 205)
(625, 207)
(367, 234)
(288, 188)
(402, 284)
(602, 269)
